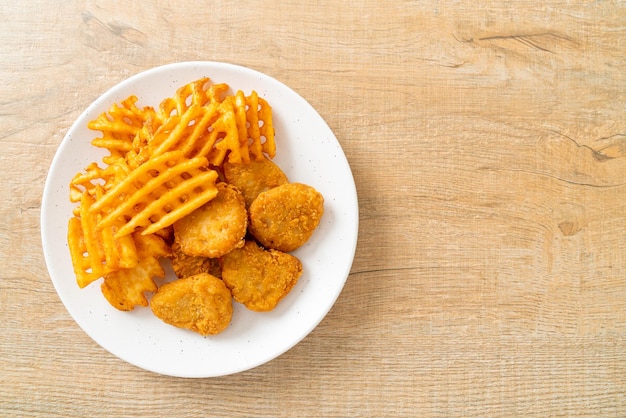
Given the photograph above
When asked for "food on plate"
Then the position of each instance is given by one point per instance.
(216, 228)
(284, 217)
(151, 176)
(201, 303)
(127, 288)
(95, 251)
(201, 121)
(158, 193)
(260, 278)
(119, 126)
(185, 265)
(255, 177)
(184, 182)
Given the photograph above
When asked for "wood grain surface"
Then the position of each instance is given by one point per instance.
(488, 146)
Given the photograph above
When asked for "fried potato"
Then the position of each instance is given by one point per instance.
(215, 228)
(260, 127)
(260, 278)
(157, 193)
(201, 303)
(255, 177)
(181, 132)
(118, 126)
(284, 218)
(188, 265)
(201, 123)
(198, 92)
(94, 177)
(125, 288)
(95, 251)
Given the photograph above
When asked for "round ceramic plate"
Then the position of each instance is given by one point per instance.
(307, 151)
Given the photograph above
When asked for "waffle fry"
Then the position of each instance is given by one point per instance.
(81, 261)
(208, 127)
(94, 251)
(183, 132)
(261, 127)
(200, 123)
(84, 182)
(198, 92)
(239, 105)
(254, 130)
(225, 136)
(125, 288)
(245, 128)
(198, 120)
(95, 176)
(118, 126)
(157, 193)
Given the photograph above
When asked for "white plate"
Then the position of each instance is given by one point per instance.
(307, 151)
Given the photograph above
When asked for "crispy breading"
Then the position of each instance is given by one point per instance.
(255, 177)
(201, 303)
(284, 217)
(260, 278)
(188, 265)
(215, 228)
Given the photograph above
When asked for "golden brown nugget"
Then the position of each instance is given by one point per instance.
(260, 278)
(201, 303)
(254, 177)
(215, 228)
(284, 218)
(188, 265)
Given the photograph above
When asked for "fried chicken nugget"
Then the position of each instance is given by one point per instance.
(188, 265)
(254, 177)
(201, 303)
(284, 218)
(260, 278)
(215, 228)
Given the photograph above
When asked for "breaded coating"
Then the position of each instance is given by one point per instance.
(201, 303)
(260, 278)
(215, 228)
(254, 177)
(284, 218)
(188, 265)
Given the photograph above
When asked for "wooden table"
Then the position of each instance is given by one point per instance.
(488, 146)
